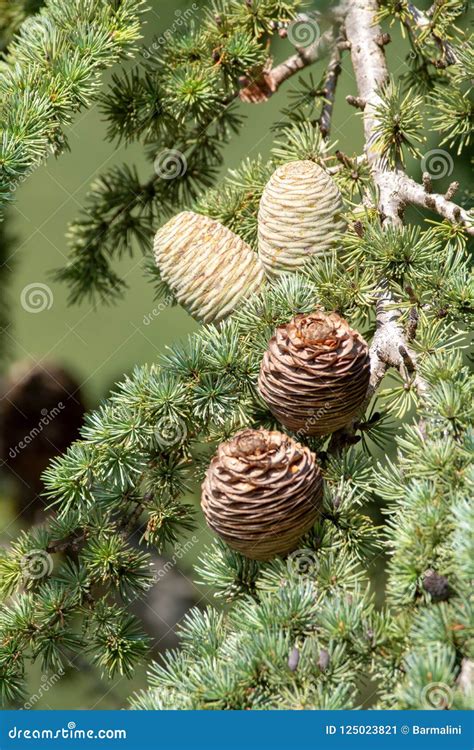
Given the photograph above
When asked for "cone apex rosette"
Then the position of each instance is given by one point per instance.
(262, 492)
(315, 373)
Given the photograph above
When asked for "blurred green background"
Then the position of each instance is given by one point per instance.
(100, 345)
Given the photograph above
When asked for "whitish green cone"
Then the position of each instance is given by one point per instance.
(300, 215)
(209, 269)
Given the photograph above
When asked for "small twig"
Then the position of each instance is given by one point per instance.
(304, 57)
(358, 228)
(356, 101)
(332, 75)
(270, 81)
(407, 358)
(346, 162)
(72, 542)
(427, 184)
(130, 521)
(422, 21)
(412, 324)
(344, 159)
(451, 191)
(383, 39)
(410, 191)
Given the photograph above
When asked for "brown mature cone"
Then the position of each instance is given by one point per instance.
(262, 492)
(41, 412)
(314, 374)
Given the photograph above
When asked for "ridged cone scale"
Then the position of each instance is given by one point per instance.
(262, 492)
(315, 373)
(209, 269)
(300, 215)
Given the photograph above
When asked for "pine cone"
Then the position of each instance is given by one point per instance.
(262, 492)
(208, 268)
(299, 216)
(41, 413)
(314, 374)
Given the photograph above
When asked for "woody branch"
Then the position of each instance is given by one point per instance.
(390, 346)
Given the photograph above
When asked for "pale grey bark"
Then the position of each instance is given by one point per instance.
(396, 189)
(390, 346)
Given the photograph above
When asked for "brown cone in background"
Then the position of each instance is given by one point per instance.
(315, 373)
(41, 412)
(262, 492)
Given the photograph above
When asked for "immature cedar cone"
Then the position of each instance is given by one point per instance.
(299, 216)
(314, 374)
(209, 269)
(262, 492)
